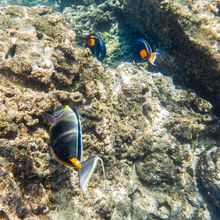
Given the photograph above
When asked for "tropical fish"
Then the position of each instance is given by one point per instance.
(96, 45)
(66, 143)
(142, 52)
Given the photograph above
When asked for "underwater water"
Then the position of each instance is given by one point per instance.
(109, 109)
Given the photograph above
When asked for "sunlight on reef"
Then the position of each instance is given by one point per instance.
(158, 141)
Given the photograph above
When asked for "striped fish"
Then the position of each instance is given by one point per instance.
(66, 143)
(142, 52)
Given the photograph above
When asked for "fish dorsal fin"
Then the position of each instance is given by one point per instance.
(48, 119)
(66, 107)
(88, 168)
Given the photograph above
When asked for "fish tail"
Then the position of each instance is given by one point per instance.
(87, 170)
(153, 58)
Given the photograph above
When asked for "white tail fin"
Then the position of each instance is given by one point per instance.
(88, 168)
(153, 58)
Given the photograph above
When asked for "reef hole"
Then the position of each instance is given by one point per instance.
(11, 51)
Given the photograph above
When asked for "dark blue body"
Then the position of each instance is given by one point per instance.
(99, 49)
(66, 135)
(141, 44)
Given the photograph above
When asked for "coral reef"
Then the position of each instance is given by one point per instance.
(187, 38)
(208, 172)
(149, 134)
(189, 32)
(105, 19)
(184, 32)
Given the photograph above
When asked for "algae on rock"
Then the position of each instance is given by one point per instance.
(187, 33)
(147, 132)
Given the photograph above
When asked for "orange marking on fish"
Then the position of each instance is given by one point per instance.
(76, 163)
(153, 58)
(91, 42)
(61, 161)
(143, 53)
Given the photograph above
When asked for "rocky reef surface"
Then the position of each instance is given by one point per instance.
(186, 33)
(106, 20)
(157, 142)
(189, 32)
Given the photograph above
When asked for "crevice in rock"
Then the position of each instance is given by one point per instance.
(23, 80)
(11, 51)
(213, 210)
(195, 67)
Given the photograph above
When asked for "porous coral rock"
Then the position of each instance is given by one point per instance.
(29, 38)
(103, 18)
(189, 32)
(184, 32)
(126, 115)
(208, 173)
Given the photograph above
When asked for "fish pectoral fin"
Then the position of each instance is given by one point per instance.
(47, 118)
(88, 168)
(153, 58)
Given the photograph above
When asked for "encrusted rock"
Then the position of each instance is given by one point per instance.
(147, 132)
(187, 34)
(208, 174)
(29, 53)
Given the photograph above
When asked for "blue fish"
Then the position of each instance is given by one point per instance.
(142, 52)
(66, 143)
(96, 45)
